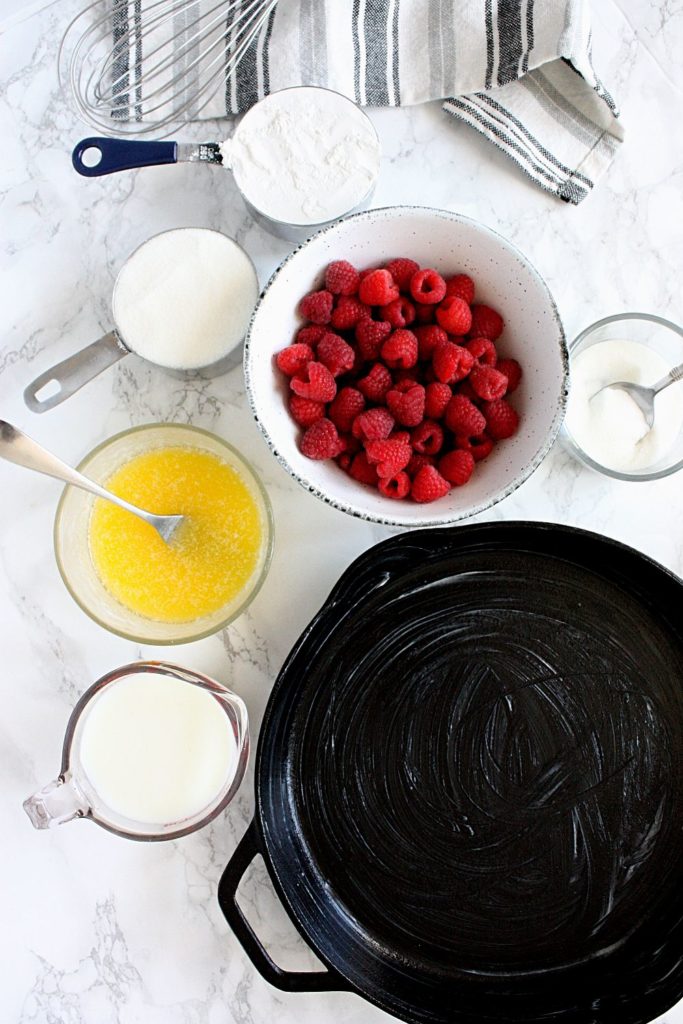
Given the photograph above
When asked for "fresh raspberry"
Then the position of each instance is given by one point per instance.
(453, 314)
(341, 278)
(373, 425)
(424, 314)
(402, 269)
(463, 417)
(293, 359)
(461, 286)
(376, 383)
(427, 287)
(401, 435)
(427, 438)
(348, 404)
(457, 467)
(429, 337)
(513, 371)
(371, 335)
(315, 381)
(486, 323)
(362, 274)
(417, 462)
(407, 407)
(397, 486)
(321, 441)
(483, 350)
(428, 485)
(317, 307)
(344, 461)
(488, 383)
(310, 335)
(399, 313)
(362, 471)
(451, 362)
(347, 313)
(388, 457)
(305, 411)
(336, 354)
(400, 349)
(501, 419)
(480, 447)
(437, 397)
(378, 288)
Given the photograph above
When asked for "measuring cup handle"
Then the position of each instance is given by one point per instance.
(71, 374)
(122, 155)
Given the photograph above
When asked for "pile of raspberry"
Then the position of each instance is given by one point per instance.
(396, 376)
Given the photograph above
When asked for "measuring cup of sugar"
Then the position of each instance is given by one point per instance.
(152, 751)
(182, 300)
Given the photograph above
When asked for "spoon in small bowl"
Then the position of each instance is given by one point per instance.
(644, 397)
(17, 447)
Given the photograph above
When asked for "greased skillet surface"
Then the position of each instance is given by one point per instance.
(470, 777)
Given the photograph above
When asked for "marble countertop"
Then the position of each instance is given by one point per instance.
(97, 930)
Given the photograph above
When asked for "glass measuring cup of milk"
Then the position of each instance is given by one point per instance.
(152, 751)
(182, 301)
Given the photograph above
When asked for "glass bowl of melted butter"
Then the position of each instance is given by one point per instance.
(120, 571)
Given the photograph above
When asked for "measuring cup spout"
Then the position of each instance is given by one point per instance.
(56, 803)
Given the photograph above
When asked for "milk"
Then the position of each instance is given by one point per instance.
(156, 749)
(609, 426)
(184, 298)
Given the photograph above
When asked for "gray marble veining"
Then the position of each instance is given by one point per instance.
(100, 931)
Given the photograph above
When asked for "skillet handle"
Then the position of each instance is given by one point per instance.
(287, 981)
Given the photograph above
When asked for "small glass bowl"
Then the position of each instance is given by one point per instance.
(662, 337)
(72, 527)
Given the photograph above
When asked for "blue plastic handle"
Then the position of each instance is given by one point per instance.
(122, 155)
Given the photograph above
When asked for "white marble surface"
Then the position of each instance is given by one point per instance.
(97, 930)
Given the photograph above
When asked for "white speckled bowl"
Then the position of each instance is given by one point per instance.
(451, 244)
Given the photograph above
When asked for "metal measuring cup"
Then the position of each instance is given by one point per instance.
(97, 156)
(67, 377)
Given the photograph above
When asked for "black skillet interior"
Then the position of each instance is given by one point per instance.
(469, 788)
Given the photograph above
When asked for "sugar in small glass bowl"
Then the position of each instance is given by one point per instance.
(606, 432)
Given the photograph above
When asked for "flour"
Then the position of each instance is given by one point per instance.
(304, 156)
(183, 299)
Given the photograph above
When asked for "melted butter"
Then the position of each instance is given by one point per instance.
(212, 556)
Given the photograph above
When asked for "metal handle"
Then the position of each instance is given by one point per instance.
(121, 155)
(19, 448)
(287, 981)
(71, 374)
(672, 376)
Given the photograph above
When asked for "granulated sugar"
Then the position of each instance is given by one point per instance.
(184, 298)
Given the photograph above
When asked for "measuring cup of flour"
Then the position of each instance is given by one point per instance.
(152, 751)
(301, 158)
(182, 300)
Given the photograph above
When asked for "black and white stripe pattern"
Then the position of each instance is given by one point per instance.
(519, 71)
(374, 28)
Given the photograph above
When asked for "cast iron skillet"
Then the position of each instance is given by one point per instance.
(468, 783)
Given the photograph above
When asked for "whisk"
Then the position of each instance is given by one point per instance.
(134, 67)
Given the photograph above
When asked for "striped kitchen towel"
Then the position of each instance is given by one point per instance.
(519, 71)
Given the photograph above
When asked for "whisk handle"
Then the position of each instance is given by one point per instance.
(120, 155)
